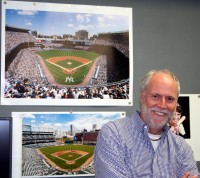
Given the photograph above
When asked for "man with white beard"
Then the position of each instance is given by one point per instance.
(142, 145)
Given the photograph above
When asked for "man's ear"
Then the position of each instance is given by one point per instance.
(142, 96)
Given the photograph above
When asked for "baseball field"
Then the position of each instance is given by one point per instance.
(68, 157)
(68, 67)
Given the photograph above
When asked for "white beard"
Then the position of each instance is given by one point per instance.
(159, 112)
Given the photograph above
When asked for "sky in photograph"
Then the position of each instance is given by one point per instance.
(63, 121)
(59, 23)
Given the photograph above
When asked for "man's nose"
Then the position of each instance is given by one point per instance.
(162, 102)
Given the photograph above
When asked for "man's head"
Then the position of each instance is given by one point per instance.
(158, 98)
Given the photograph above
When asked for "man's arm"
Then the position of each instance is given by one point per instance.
(109, 155)
(186, 160)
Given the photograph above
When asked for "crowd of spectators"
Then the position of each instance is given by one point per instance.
(24, 90)
(26, 65)
(15, 38)
(100, 75)
(37, 138)
(33, 164)
(25, 77)
(89, 169)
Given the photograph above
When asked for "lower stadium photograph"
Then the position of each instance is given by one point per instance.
(57, 143)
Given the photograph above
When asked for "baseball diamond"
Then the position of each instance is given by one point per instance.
(71, 60)
(69, 64)
(68, 157)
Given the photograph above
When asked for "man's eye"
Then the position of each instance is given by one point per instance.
(155, 96)
(170, 99)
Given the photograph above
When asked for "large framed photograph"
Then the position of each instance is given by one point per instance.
(68, 53)
(52, 144)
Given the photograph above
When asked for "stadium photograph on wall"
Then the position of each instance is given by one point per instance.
(58, 143)
(65, 51)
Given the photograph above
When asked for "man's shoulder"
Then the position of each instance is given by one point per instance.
(177, 140)
(175, 137)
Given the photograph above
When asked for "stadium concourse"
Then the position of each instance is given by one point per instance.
(25, 78)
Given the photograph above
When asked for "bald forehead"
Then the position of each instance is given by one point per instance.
(161, 79)
(162, 76)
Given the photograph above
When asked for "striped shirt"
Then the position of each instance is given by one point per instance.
(124, 150)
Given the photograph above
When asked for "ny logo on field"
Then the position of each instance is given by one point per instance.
(69, 79)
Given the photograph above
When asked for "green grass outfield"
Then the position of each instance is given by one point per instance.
(57, 72)
(80, 160)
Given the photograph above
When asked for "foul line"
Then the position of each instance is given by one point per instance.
(69, 70)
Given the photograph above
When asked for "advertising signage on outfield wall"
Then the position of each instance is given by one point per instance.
(70, 54)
